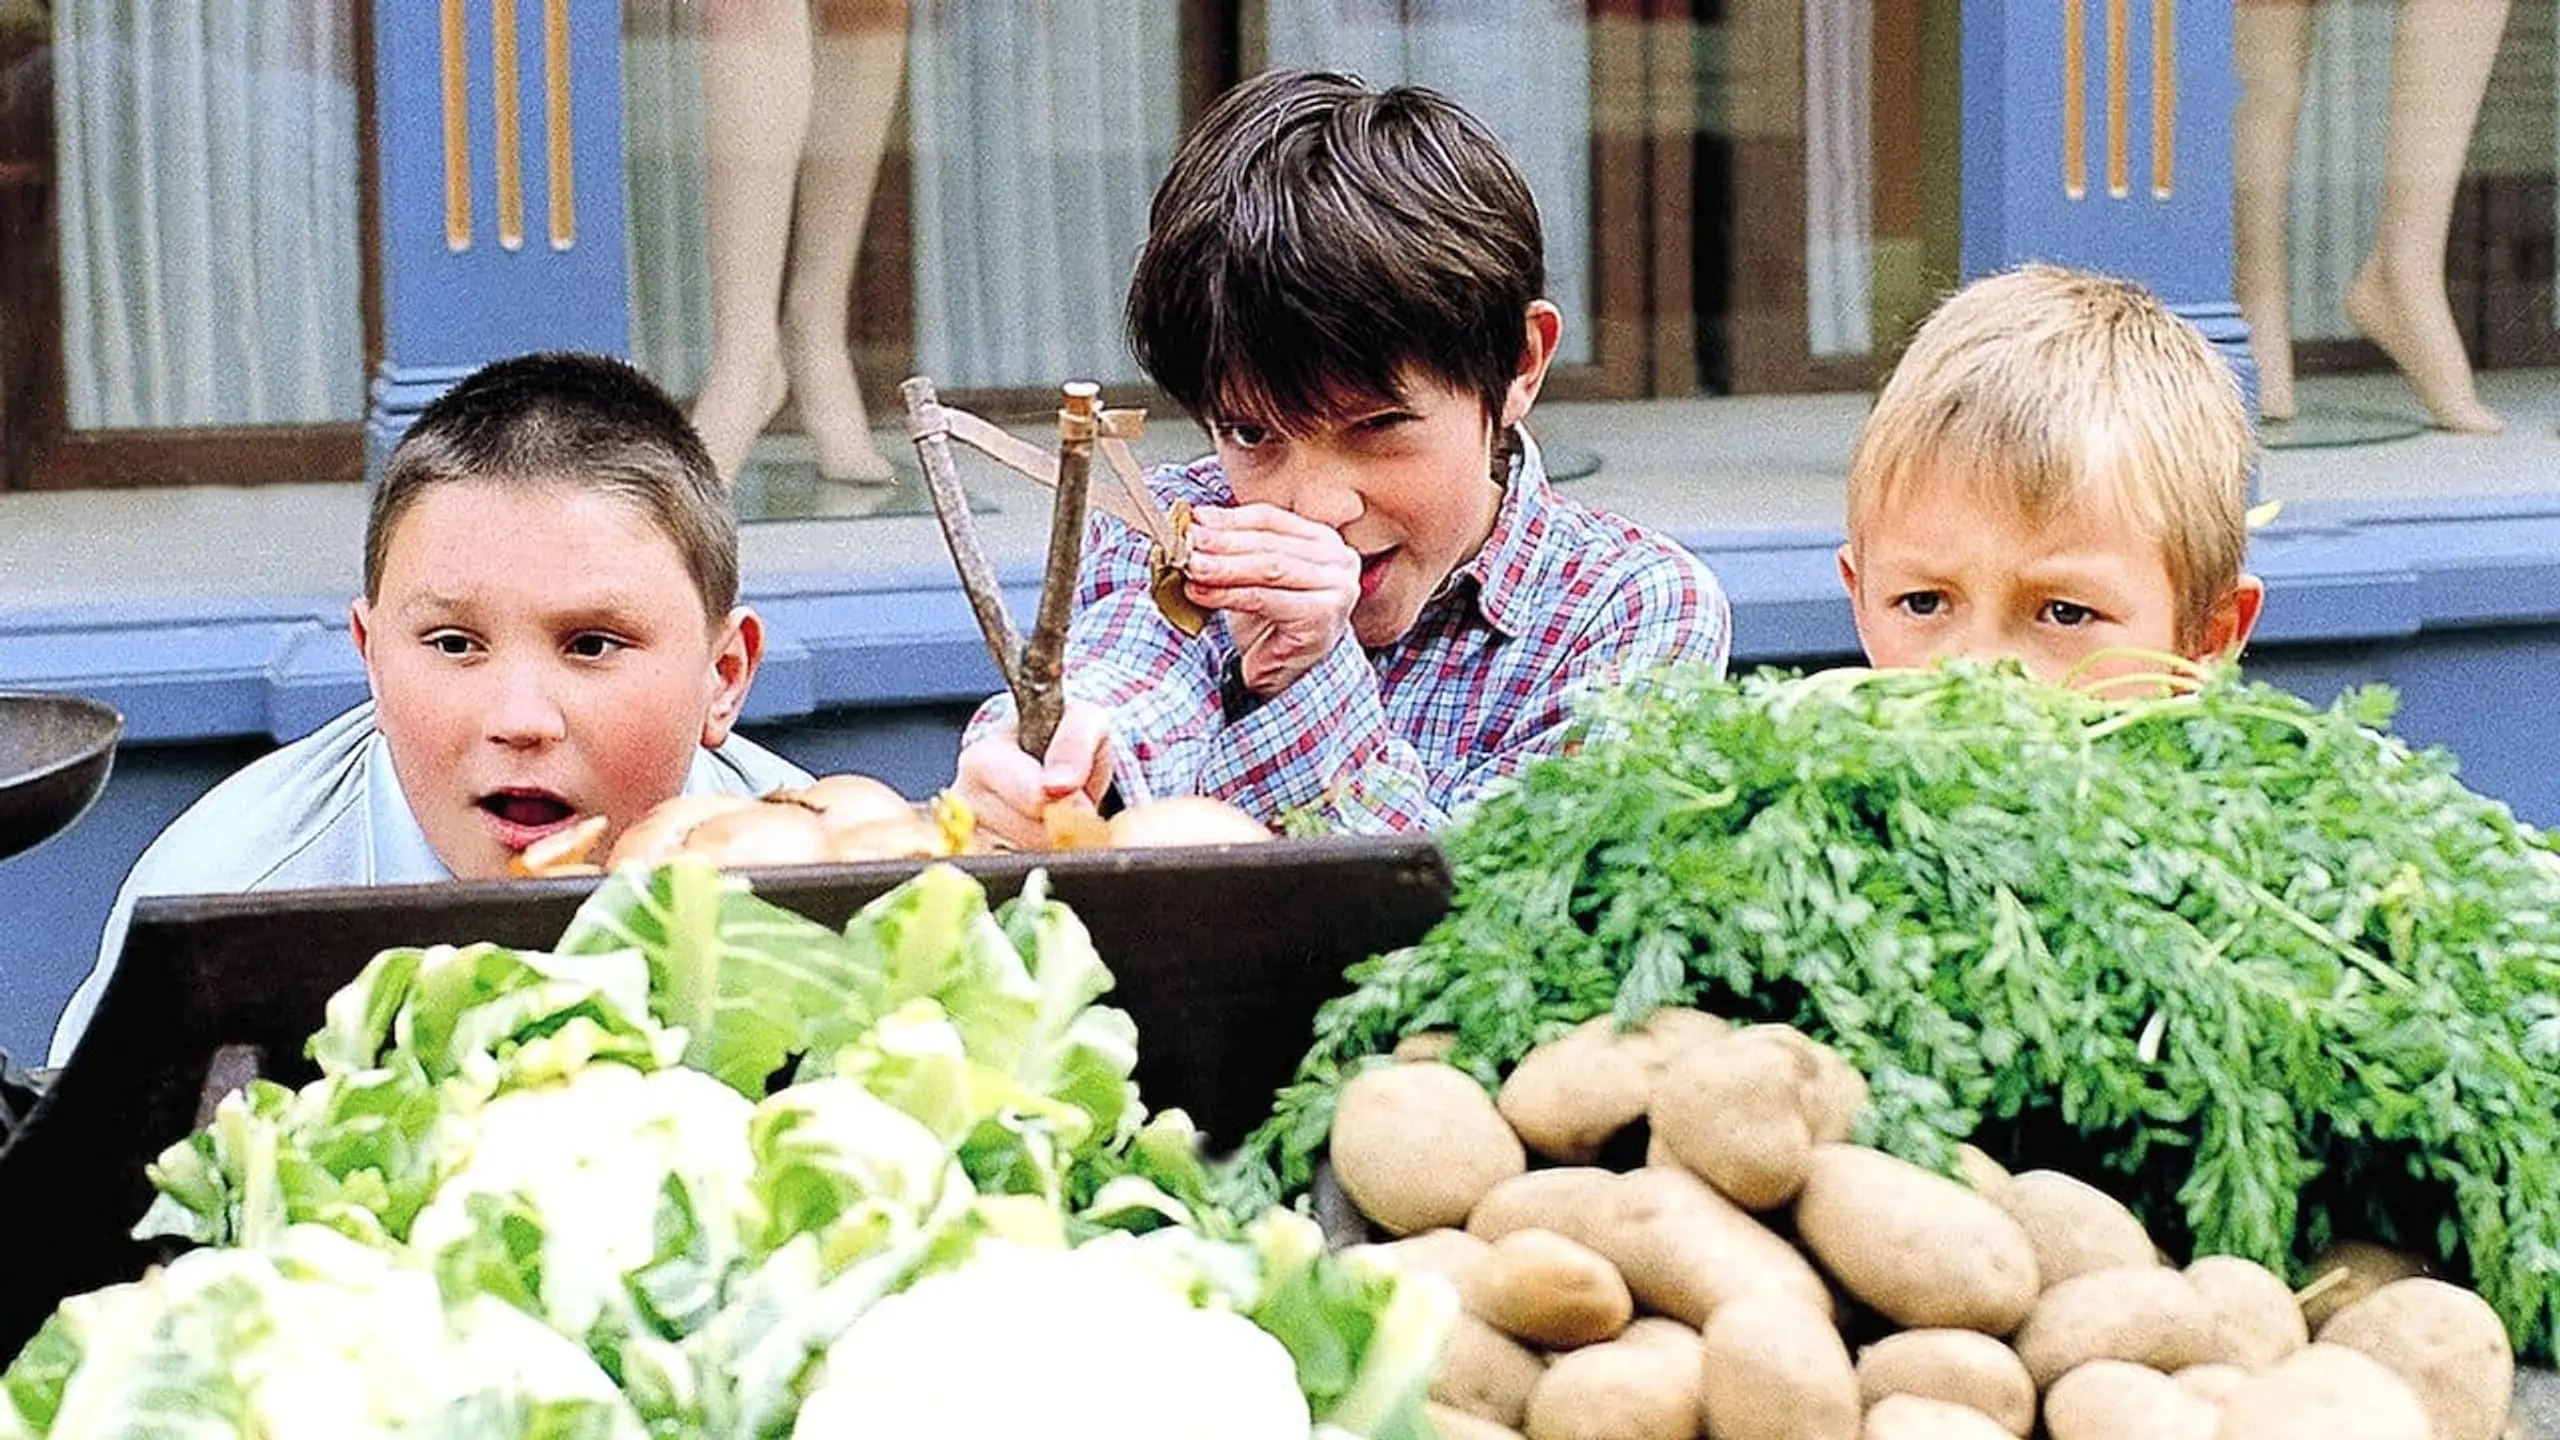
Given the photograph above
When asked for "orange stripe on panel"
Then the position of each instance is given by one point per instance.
(505, 85)
(2119, 97)
(2075, 99)
(555, 83)
(457, 129)
(2164, 97)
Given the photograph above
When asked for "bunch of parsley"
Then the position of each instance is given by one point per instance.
(2267, 972)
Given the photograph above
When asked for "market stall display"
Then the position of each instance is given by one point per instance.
(1212, 947)
(1718, 1257)
(704, 1166)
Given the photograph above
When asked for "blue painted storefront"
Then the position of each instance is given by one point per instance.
(2456, 605)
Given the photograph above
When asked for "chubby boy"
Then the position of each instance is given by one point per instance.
(1345, 286)
(2058, 466)
(550, 630)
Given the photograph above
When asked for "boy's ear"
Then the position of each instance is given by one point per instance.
(359, 626)
(735, 653)
(2227, 625)
(1546, 328)
(1848, 571)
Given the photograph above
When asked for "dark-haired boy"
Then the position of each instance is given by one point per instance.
(550, 630)
(1346, 287)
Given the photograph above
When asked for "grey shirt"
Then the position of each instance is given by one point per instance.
(326, 810)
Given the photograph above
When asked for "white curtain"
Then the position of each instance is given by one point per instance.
(210, 258)
(2337, 169)
(663, 201)
(1523, 67)
(1040, 133)
(1839, 175)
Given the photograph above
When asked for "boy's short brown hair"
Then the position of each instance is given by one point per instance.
(588, 422)
(1314, 238)
(2045, 387)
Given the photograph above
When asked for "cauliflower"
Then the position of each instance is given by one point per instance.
(1095, 1343)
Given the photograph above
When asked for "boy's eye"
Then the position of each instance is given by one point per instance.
(1245, 437)
(594, 646)
(2068, 614)
(1920, 603)
(449, 642)
(1378, 424)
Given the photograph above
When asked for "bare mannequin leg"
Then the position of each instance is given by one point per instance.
(755, 101)
(2440, 60)
(2272, 41)
(860, 57)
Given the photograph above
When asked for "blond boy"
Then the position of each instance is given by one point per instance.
(2058, 466)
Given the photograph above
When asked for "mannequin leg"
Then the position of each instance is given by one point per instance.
(2272, 45)
(2440, 60)
(860, 60)
(755, 102)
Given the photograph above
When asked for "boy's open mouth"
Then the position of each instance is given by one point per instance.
(523, 815)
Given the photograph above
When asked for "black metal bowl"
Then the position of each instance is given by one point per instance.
(55, 751)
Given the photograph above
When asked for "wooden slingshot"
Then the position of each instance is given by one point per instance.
(1033, 669)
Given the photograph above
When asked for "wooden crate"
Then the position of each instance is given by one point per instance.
(1222, 955)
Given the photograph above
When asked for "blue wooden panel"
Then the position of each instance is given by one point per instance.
(2017, 203)
(461, 285)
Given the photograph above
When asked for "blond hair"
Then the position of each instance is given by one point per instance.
(2049, 388)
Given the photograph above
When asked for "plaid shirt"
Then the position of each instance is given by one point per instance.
(1392, 739)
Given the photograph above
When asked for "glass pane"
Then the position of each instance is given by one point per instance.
(1477, 52)
(1019, 145)
(207, 169)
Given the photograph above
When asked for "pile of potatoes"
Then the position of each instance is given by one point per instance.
(1756, 1276)
(838, 819)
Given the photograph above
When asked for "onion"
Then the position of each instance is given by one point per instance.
(846, 801)
(656, 837)
(758, 835)
(907, 837)
(1185, 820)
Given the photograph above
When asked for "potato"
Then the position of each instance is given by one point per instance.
(1922, 1250)
(1450, 1254)
(2348, 1271)
(1487, 1373)
(2255, 1322)
(1959, 1367)
(1673, 1028)
(2149, 1316)
(1914, 1417)
(2074, 1226)
(1615, 1391)
(1416, 1146)
(2118, 1400)
(1537, 1286)
(1685, 1250)
(2445, 1342)
(1776, 1370)
(1662, 1330)
(1450, 1423)
(1426, 1045)
(2212, 1382)
(1838, 1092)
(1185, 820)
(1975, 1167)
(1567, 1199)
(1735, 1113)
(2325, 1392)
(1568, 1096)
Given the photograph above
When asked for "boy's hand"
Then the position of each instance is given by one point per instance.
(1286, 584)
(1008, 790)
